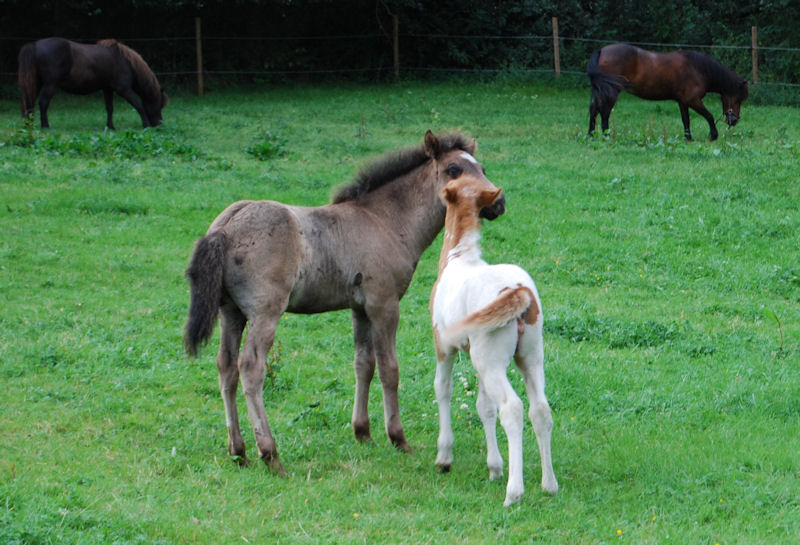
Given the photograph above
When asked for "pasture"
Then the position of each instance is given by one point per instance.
(669, 274)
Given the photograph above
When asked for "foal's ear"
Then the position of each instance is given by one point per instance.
(488, 197)
(449, 194)
(431, 145)
(473, 147)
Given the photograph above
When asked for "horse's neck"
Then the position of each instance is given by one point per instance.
(461, 238)
(411, 205)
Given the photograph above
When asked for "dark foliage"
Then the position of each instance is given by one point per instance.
(352, 39)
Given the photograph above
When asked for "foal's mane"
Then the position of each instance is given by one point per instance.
(722, 79)
(391, 166)
(144, 75)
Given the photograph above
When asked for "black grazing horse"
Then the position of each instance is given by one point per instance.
(683, 76)
(55, 63)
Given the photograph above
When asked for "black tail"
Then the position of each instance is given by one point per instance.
(605, 87)
(205, 276)
(27, 78)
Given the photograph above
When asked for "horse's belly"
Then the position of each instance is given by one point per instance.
(321, 297)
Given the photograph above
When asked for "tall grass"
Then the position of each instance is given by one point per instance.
(669, 274)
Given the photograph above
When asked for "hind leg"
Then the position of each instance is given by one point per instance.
(593, 111)
(231, 326)
(490, 353)
(530, 361)
(487, 411)
(605, 113)
(252, 368)
(108, 95)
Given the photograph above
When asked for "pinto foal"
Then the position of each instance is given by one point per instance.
(492, 311)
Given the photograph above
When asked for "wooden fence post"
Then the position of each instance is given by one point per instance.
(198, 43)
(754, 34)
(396, 46)
(556, 52)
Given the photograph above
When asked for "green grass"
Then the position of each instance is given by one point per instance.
(669, 273)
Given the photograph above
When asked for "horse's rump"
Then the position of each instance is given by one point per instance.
(510, 304)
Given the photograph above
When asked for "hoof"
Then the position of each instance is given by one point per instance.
(512, 497)
(240, 460)
(362, 433)
(495, 474)
(443, 468)
(274, 464)
(550, 487)
(404, 446)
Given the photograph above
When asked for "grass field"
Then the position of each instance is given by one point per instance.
(670, 280)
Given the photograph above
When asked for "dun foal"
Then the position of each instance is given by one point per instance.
(492, 311)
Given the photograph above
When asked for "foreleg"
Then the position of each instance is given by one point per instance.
(134, 101)
(700, 108)
(443, 386)
(384, 319)
(364, 365)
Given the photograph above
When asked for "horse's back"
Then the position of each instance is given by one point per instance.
(466, 288)
(53, 58)
(650, 75)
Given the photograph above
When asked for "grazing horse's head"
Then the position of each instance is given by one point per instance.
(731, 103)
(459, 164)
(153, 103)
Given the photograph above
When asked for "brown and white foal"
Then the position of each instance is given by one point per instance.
(493, 312)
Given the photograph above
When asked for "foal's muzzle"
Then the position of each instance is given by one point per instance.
(731, 118)
(494, 210)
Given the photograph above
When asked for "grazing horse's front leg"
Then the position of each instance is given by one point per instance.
(134, 101)
(384, 318)
(701, 109)
(364, 365)
(697, 105)
(687, 133)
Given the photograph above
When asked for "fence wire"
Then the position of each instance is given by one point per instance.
(211, 71)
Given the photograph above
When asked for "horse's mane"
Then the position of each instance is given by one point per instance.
(722, 79)
(393, 165)
(146, 79)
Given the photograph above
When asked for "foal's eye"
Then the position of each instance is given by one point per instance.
(454, 171)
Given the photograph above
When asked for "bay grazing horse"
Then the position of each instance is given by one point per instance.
(494, 312)
(683, 76)
(260, 259)
(51, 64)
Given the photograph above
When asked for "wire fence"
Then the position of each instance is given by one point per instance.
(180, 52)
